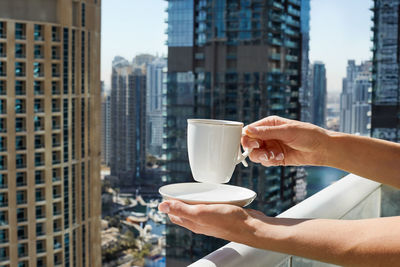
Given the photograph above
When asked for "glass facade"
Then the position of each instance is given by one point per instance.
(244, 64)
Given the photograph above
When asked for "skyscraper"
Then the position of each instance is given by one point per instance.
(385, 122)
(305, 97)
(318, 85)
(106, 128)
(128, 108)
(234, 60)
(355, 97)
(49, 133)
(155, 83)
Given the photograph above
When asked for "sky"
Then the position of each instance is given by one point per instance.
(340, 30)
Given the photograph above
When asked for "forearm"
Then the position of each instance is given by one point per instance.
(371, 158)
(372, 242)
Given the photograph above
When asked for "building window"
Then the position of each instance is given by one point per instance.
(55, 34)
(38, 105)
(4, 254)
(39, 177)
(56, 105)
(3, 30)
(83, 63)
(19, 106)
(73, 61)
(3, 87)
(41, 262)
(40, 229)
(55, 70)
(38, 69)
(38, 87)
(3, 69)
(40, 248)
(20, 31)
(3, 218)
(39, 159)
(3, 50)
(39, 141)
(3, 181)
(20, 50)
(57, 225)
(66, 198)
(55, 52)
(38, 32)
(38, 123)
(22, 215)
(20, 142)
(83, 190)
(83, 14)
(65, 61)
(20, 161)
(3, 236)
(3, 163)
(21, 197)
(55, 121)
(22, 250)
(3, 106)
(66, 249)
(22, 232)
(38, 51)
(3, 143)
(40, 194)
(20, 124)
(55, 87)
(40, 212)
(19, 69)
(56, 156)
(21, 178)
(55, 138)
(20, 87)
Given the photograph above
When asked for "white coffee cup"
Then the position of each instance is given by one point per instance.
(214, 149)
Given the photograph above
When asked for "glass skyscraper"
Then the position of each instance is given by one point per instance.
(385, 109)
(235, 60)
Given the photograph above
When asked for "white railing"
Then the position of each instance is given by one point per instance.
(352, 197)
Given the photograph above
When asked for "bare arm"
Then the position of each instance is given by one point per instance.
(279, 141)
(371, 158)
(371, 242)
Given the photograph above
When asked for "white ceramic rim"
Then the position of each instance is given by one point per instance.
(254, 194)
(216, 122)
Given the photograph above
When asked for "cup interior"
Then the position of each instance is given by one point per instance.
(215, 122)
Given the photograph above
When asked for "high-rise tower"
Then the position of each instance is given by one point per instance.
(385, 119)
(235, 60)
(50, 133)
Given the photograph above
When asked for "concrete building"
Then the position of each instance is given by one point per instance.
(385, 108)
(319, 93)
(354, 100)
(50, 133)
(233, 60)
(155, 85)
(128, 118)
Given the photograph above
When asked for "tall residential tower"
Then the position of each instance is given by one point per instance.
(234, 60)
(50, 133)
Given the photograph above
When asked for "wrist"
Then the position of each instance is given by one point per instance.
(332, 145)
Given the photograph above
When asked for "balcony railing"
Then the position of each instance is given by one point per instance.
(352, 197)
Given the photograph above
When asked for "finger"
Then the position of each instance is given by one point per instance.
(271, 121)
(259, 155)
(270, 156)
(183, 222)
(283, 133)
(250, 143)
(179, 209)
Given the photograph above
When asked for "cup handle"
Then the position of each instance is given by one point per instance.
(242, 156)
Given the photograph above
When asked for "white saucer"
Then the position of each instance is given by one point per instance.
(203, 193)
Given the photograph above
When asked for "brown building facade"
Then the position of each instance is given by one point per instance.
(50, 133)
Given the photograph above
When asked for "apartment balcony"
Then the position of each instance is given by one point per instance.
(350, 198)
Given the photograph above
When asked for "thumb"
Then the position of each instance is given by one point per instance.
(280, 132)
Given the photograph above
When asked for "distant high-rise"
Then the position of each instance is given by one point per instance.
(354, 99)
(385, 108)
(128, 108)
(305, 92)
(234, 60)
(318, 85)
(156, 81)
(50, 133)
(106, 128)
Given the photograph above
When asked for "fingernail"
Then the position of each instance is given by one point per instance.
(163, 207)
(263, 157)
(251, 129)
(253, 144)
(272, 155)
(280, 156)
